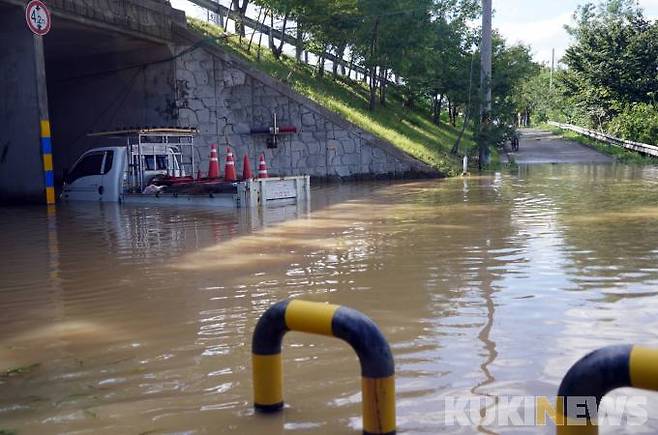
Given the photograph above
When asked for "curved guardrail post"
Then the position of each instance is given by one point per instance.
(377, 367)
(596, 375)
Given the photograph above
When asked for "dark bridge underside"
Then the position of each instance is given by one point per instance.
(97, 78)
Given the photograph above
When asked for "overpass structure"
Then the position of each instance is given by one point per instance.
(92, 70)
(109, 64)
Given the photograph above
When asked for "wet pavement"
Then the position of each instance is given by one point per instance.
(542, 147)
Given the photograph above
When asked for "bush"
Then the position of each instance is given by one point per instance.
(637, 122)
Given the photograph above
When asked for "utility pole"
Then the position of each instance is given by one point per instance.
(552, 69)
(485, 78)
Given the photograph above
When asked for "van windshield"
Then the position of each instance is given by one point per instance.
(88, 166)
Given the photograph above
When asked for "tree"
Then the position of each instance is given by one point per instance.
(240, 8)
(613, 61)
(512, 68)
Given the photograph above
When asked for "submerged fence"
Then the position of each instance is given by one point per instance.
(650, 150)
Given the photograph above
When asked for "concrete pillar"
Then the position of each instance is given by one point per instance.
(21, 166)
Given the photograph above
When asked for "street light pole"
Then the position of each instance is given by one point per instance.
(485, 77)
(552, 68)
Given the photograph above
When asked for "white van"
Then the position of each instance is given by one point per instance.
(102, 174)
(96, 176)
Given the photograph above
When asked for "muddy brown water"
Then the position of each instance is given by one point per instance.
(132, 320)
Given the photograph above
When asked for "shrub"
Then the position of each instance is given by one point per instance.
(637, 122)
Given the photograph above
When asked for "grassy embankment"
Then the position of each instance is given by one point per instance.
(410, 130)
(621, 154)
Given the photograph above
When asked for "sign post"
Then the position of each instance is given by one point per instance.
(39, 22)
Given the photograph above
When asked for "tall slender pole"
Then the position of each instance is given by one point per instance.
(44, 120)
(552, 68)
(485, 77)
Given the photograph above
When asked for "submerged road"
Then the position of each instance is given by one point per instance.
(541, 147)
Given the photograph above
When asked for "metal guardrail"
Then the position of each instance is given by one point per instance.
(643, 148)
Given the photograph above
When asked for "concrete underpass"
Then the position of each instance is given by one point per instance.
(109, 64)
(97, 79)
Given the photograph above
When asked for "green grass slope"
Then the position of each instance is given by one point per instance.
(410, 130)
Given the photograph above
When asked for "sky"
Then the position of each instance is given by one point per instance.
(541, 23)
(538, 23)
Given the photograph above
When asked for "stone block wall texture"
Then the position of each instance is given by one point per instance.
(147, 17)
(225, 98)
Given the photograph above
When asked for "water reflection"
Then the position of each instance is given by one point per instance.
(138, 320)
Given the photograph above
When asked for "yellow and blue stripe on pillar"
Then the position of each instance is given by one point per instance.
(377, 366)
(47, 156)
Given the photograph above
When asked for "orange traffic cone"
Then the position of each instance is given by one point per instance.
(213, 166)
(246, 168)
(262, 167)
(229, 169)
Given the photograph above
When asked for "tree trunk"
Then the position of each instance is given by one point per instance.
(382, 85)
(373, 88)
(435, 104)
(251, 38)
(409, 101)
(467, 116)
(284, 27)
(321, 62)
(260, 37)
(340, 52)
(299, 48)
(350, 66)
(241, 10)
(320, 70)
(450, 111)
(277, 50)
(373, 68)
(270, 34)
(437, 107)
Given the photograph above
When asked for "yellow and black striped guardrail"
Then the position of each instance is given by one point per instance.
(377, 367)
(596, 375)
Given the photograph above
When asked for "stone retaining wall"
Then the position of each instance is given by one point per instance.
(225, 98)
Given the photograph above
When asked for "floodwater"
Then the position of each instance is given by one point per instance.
(128, 320)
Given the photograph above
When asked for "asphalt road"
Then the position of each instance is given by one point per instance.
(541, 147)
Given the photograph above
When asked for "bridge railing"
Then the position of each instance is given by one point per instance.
(643, 148)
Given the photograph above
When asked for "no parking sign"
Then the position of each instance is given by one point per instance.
(37, 16)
